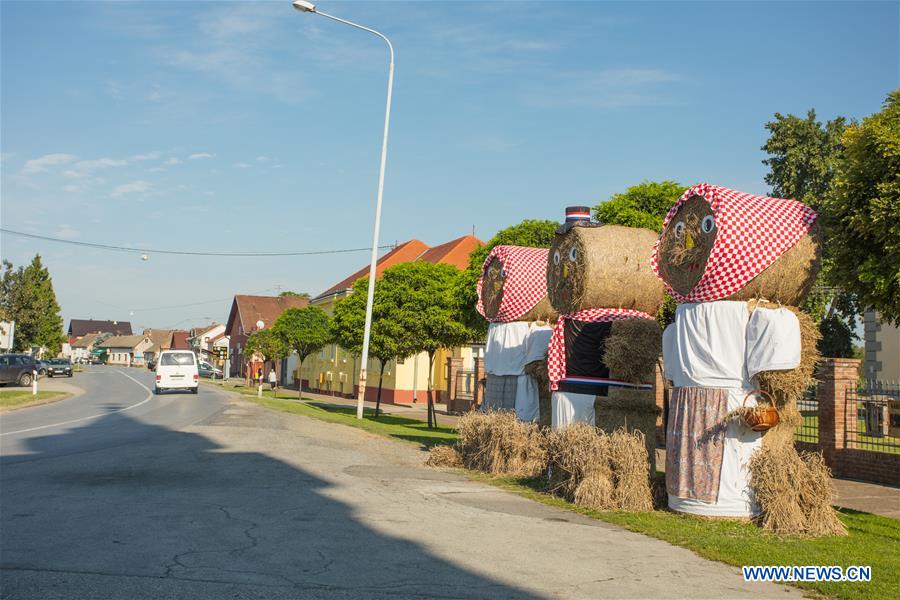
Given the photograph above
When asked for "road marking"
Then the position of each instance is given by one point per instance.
(144, 401)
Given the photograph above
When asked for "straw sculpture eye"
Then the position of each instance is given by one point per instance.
(573, 254)
(708, 223)
(556, 257)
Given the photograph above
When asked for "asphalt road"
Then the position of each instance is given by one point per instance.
(211, 497)
(84, 423)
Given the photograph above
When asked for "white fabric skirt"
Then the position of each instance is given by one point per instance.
(527, 403)
(568, 408)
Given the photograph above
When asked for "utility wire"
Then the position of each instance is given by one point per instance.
(181, 252)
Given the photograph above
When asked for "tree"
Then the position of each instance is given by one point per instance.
(643, 205)
(269, 344)
(27, 297)
(427, 311)
(290, 294)
(303, 330)
(803, 156)
(530, 233)
(387, 340)
(862, 212)
(803, 159)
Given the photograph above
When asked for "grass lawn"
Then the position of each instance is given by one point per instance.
(810, 433)
(23, 397)
(873, 541)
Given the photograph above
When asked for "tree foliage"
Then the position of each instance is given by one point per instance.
(268, 343)
(428, 310)
(388, 338)
(803, 156)
(291, 294)
(27, 297)
(863, 212)
(529, 233)
(643, 205)
(304, 330)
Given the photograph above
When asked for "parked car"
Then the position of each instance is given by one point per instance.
(207, 370)
(177, 369)
(17, 368)
(59, 367)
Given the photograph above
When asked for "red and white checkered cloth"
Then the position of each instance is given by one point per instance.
(526, 280)
(556, 352)
(753, 232)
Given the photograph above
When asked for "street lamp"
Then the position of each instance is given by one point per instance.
(309, 7)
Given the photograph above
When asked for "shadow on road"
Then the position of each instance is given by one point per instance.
(174, 515)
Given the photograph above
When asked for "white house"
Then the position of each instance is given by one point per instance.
(126, 350)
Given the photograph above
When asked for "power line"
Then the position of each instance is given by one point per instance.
(181, 252)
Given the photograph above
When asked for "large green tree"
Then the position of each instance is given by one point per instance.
(803, 157)
(27, 297)
(388, 339)
(863, 212)
(268, 343)
(424, 293)
(530, 233)
(643, 205)
(305, 331)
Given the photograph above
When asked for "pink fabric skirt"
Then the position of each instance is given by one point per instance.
(695, 442)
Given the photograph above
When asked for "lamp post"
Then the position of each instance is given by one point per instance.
(309, 7)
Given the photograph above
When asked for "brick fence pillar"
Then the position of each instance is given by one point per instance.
(836, 376)
(454, 365)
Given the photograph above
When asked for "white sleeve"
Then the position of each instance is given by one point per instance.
(773, 340)
(670, 352)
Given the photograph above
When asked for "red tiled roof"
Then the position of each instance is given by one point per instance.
(407, 252)
(250, 309)
(455, 252)
(180, 340)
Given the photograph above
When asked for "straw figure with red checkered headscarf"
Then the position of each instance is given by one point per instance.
(512, 295)
(605, 345)
(739, 355)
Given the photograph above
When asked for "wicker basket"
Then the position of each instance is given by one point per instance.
(761, 418)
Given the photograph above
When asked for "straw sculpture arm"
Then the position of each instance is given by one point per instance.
(632, 349)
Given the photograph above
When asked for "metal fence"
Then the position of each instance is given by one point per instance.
(872, 413)
(808, 405)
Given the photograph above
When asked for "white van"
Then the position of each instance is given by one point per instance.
(177, 369)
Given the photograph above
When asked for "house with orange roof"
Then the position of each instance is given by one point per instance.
(335, 371)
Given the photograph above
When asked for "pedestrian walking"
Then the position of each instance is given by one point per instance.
(273, 379)
(259, 375)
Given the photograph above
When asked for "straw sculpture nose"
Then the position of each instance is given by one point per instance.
(688, 240)
(565, 270)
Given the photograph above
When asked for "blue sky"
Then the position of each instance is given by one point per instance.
(247, 126)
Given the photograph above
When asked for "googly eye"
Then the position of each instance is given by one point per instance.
(708, 223)
(573, 253)
(679, 228)
(556, 257)
(503, 273)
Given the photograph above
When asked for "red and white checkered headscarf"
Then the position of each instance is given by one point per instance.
(753, 232)
(556, 352)
(526, 280)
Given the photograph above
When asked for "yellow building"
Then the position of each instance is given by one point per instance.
(335, 371)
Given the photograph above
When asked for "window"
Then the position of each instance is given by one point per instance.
(176, 359)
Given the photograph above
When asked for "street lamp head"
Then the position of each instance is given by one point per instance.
(304, 6)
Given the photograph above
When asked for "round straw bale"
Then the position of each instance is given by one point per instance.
(790, 278)
(632, 349)
(603, 267)
(572, 452)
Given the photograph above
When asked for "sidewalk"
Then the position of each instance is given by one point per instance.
(872, 498)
